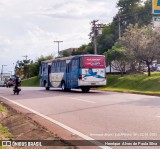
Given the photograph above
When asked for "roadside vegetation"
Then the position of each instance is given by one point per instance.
(137, 83)
(31, 82)
(4, 133)
(3, 109)
(18, 123)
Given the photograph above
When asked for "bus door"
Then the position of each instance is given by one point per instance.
(75, 73)
(49, 72)
(68, 74)
(42, 74)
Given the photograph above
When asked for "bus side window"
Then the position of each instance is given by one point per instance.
(49, 69)
(62, 67)
(55, 67)
(52, 67)
(68, 68)
(58, 67)
(74, 65)
(81, 62)
(43, 70)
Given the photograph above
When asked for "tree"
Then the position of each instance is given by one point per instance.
(107, 39)
(142, 44)
(28, 68)
(133, 12)
(84, 49)
(38, 63)
(125, 6)
(66, 53)
(21, 68)
(130, 12)
(117, 58)
(145, 13)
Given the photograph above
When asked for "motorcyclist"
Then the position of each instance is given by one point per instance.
(17, 81)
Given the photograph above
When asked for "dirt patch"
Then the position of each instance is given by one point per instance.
(24, 128)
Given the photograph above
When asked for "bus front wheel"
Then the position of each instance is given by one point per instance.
(63, 86)
(47, 87)
(85, 89)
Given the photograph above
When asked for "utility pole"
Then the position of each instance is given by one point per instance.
(2, 71)
(14, 69)
(95, 32)
(58, 41)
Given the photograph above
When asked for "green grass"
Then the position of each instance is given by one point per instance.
(32, 82)
(138, 83)
(4, 131)
(3, 109)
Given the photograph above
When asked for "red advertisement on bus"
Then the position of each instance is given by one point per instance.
(94, 62)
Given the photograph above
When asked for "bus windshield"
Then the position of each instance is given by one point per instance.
(93, 62)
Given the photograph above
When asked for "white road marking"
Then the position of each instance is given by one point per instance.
(61, 125)
(83, 100)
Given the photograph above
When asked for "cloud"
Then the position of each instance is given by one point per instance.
(30, 26)
(79, 9)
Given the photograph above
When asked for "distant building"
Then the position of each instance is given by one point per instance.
(67, 52)
(4, 76)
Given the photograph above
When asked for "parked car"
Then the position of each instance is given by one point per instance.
(158, 67)
(145, 69)
(10, 82)
(2, 84)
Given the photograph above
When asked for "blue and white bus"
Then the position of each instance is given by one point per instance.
(81, 71)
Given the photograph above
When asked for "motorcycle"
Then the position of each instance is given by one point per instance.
(16, 88)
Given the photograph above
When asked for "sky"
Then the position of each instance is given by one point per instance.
(30, 27)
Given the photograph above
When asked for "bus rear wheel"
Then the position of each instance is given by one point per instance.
(63, 86)
(85, 89)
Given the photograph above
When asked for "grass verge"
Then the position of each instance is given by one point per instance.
(4, 133)
(138, 83)
(3, 109)
(31, 82)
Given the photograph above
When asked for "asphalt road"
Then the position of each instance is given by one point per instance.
(97, 115)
